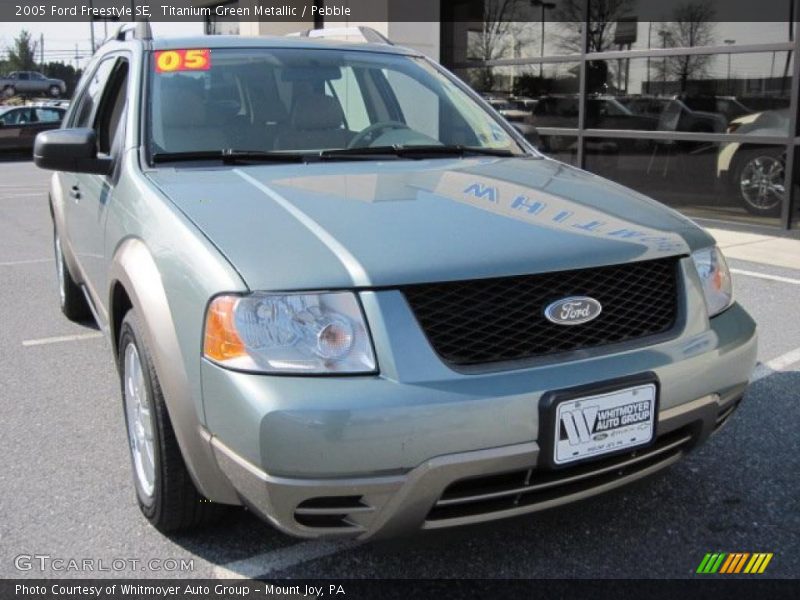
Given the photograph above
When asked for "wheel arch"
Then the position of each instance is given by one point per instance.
(135, 282)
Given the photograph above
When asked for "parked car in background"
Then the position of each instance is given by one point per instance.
(602, 112)
(31, 82)
(754, 173)
(674, 114)
(20, 124)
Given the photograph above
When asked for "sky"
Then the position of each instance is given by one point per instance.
(60, 38)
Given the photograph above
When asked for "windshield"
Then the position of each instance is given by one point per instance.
(307, 100)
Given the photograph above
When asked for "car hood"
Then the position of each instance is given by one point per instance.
(372, 224)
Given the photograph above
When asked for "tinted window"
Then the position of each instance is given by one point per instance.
(109, 115)
(23, 76)
(92, 93)
(19, 116)
(48, 115)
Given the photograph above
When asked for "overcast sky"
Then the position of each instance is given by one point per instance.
(60, 38)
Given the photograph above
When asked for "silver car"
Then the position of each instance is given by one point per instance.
(343, 291)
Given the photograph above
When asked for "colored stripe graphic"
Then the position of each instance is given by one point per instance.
(734, 562)
(711, 562)
(759, 562)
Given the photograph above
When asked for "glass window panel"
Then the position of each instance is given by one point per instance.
(728, 181)
(481, 30)
(544, 95)
(704, 93)
(643, 24)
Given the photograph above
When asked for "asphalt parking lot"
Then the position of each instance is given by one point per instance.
(67, 490)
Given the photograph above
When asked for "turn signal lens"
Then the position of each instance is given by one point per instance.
(222, 342)
(716, 279)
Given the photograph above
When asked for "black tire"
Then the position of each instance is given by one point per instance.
(745, 159)
(10, 91)
(73, 302)
(55, 91)
(174, 503)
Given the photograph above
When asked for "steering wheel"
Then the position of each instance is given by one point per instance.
(370, 133)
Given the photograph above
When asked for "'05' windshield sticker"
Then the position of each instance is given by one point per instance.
(170, 61)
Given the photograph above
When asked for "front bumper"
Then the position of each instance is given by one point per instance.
(464, 488)
(377, 455)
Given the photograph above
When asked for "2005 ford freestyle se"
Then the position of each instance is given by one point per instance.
(343, 292)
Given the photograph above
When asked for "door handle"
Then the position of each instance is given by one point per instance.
(75, 193)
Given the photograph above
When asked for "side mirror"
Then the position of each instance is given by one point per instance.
(70, 150)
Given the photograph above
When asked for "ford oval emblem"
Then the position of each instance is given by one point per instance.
(573, 311)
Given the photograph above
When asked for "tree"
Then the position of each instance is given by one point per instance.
(67, 73)
(22, 53)
(603, 17)
(501, 33)
(693, 25)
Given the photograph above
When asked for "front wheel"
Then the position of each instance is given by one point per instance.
(164, 489)
(9, 92)
(55, 91)
(758, 179)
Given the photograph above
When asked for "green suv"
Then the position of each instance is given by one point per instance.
(341, 290)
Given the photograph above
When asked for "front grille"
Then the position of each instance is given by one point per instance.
(502, 319)
(536, 488)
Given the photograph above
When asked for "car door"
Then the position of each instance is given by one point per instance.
(16, 129)
(23, 82)
(101, 107)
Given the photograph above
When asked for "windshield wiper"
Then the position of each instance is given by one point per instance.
(417, 152)
(229, 156)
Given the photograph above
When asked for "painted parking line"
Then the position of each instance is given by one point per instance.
(62, 338)
(776, 364)
(31, 261)
(758, 275)
(266, 563)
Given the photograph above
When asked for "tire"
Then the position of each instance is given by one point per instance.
(758, 180)
(73, 302)
(55, 91)
(10, 91)
(165, 492)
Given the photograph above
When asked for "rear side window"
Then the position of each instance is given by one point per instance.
(48, 115)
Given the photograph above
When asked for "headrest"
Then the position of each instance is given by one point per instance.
(314, 111)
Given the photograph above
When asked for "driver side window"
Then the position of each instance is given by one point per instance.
(419, 104)
(347, 90)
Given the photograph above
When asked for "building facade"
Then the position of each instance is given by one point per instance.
(669, 98)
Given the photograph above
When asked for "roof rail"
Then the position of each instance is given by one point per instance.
(138, 30)
(367, 34)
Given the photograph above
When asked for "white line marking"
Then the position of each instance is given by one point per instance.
(766, 276)
(14, 263)
(277, 560)
(776, 364)
(62, 338)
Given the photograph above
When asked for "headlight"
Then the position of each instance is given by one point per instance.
(289, 333)
(716, 279)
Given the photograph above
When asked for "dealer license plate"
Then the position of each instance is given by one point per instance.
(595, 425)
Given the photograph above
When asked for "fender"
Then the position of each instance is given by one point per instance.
(134, 268)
